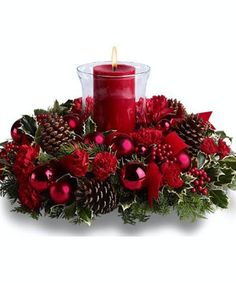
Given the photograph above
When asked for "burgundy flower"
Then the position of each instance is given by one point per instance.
(24, 162)
(104, 164)
(208, 146)
(27, 196)
(223, 148)
(172, 175)
(76, 163)
(147, 136)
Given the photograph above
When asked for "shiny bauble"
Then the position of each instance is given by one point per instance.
(123, 144)
(141, 150)
(60, 191)
(96, 137)
(16, 132)
(133, 176)
(73, 121)
(41, 178)
(164, 125)
(184, 160)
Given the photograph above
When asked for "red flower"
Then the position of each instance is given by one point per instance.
(172, 175)
(223, 148)
(104, 164)
(77, 105)
(25, 159)
(157, 108)
(76, 163)
(147, 136)
(27, 196)
(208, 146)
(140, 112)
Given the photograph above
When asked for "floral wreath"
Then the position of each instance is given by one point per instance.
(58, 164)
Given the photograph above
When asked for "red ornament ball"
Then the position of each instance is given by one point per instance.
(41, 177)
(96, 137)
(16, 133)
(60, 192)
(164, 125)
(184, 160)
(133, 176)
(123, 144)
(73, 121)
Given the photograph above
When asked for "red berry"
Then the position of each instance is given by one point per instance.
(196, 183)
(200, 189)
(205, 192)
(208, 179)
(201, 182)
(194, 190)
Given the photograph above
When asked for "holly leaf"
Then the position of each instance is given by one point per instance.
(89, 126)
(28, 125)
(219, 198)
(70, 210)
(66, 107)
(201, 159)
(85, 215)
(38, 135)
(229, 161)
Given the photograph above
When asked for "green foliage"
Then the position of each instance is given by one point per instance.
(89, 126)
(40, 111)
(219, 198)
(28, 125)
(137, 212)
(193, 206)
(44, 158)
(35, 214)
(9, 187)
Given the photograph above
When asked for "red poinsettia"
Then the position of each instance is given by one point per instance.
(27, 196)
(104, 164)
(223, 148)
(147, 136)
(172, 175)
(76, 163)
(24, 162)
(209, 146)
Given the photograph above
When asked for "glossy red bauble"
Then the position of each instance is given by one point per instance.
(96, 137)
(73, 121)
(133, 176)
(41, 178)
(164, 125)
(123, 144)
(60, 192)
(16, 133)
(184, 160)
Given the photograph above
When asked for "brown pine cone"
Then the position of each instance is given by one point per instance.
(99, 196)
(192, 130)
(54, 132)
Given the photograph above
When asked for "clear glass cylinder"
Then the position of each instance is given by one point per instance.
(114, 92)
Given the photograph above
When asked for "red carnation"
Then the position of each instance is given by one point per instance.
(76, 163)
(172, 175)
(157, 108)
(25, 159)
(208, 146)
(104, 164)
(27, 196)
(147, 136)
(223, 148)
(77, 105)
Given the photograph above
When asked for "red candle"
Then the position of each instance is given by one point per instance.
(114, 97)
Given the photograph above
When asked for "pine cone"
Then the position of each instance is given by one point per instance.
(54, 132)
(99, 196)
(192, 130)
(179, 110)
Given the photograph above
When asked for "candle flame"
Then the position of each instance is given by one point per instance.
(114, 59)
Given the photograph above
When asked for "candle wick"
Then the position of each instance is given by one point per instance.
(114, 68)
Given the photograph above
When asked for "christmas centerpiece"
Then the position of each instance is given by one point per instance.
(116, 150)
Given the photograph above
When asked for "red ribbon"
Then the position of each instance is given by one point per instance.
(205, 116)
(154, 180)
(177, 144)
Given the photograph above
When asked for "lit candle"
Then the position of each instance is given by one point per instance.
(114, 96)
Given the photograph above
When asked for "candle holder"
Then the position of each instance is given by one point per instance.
(86, 75)
(114, 90)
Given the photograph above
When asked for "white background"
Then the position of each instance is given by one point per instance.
(191, 48)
